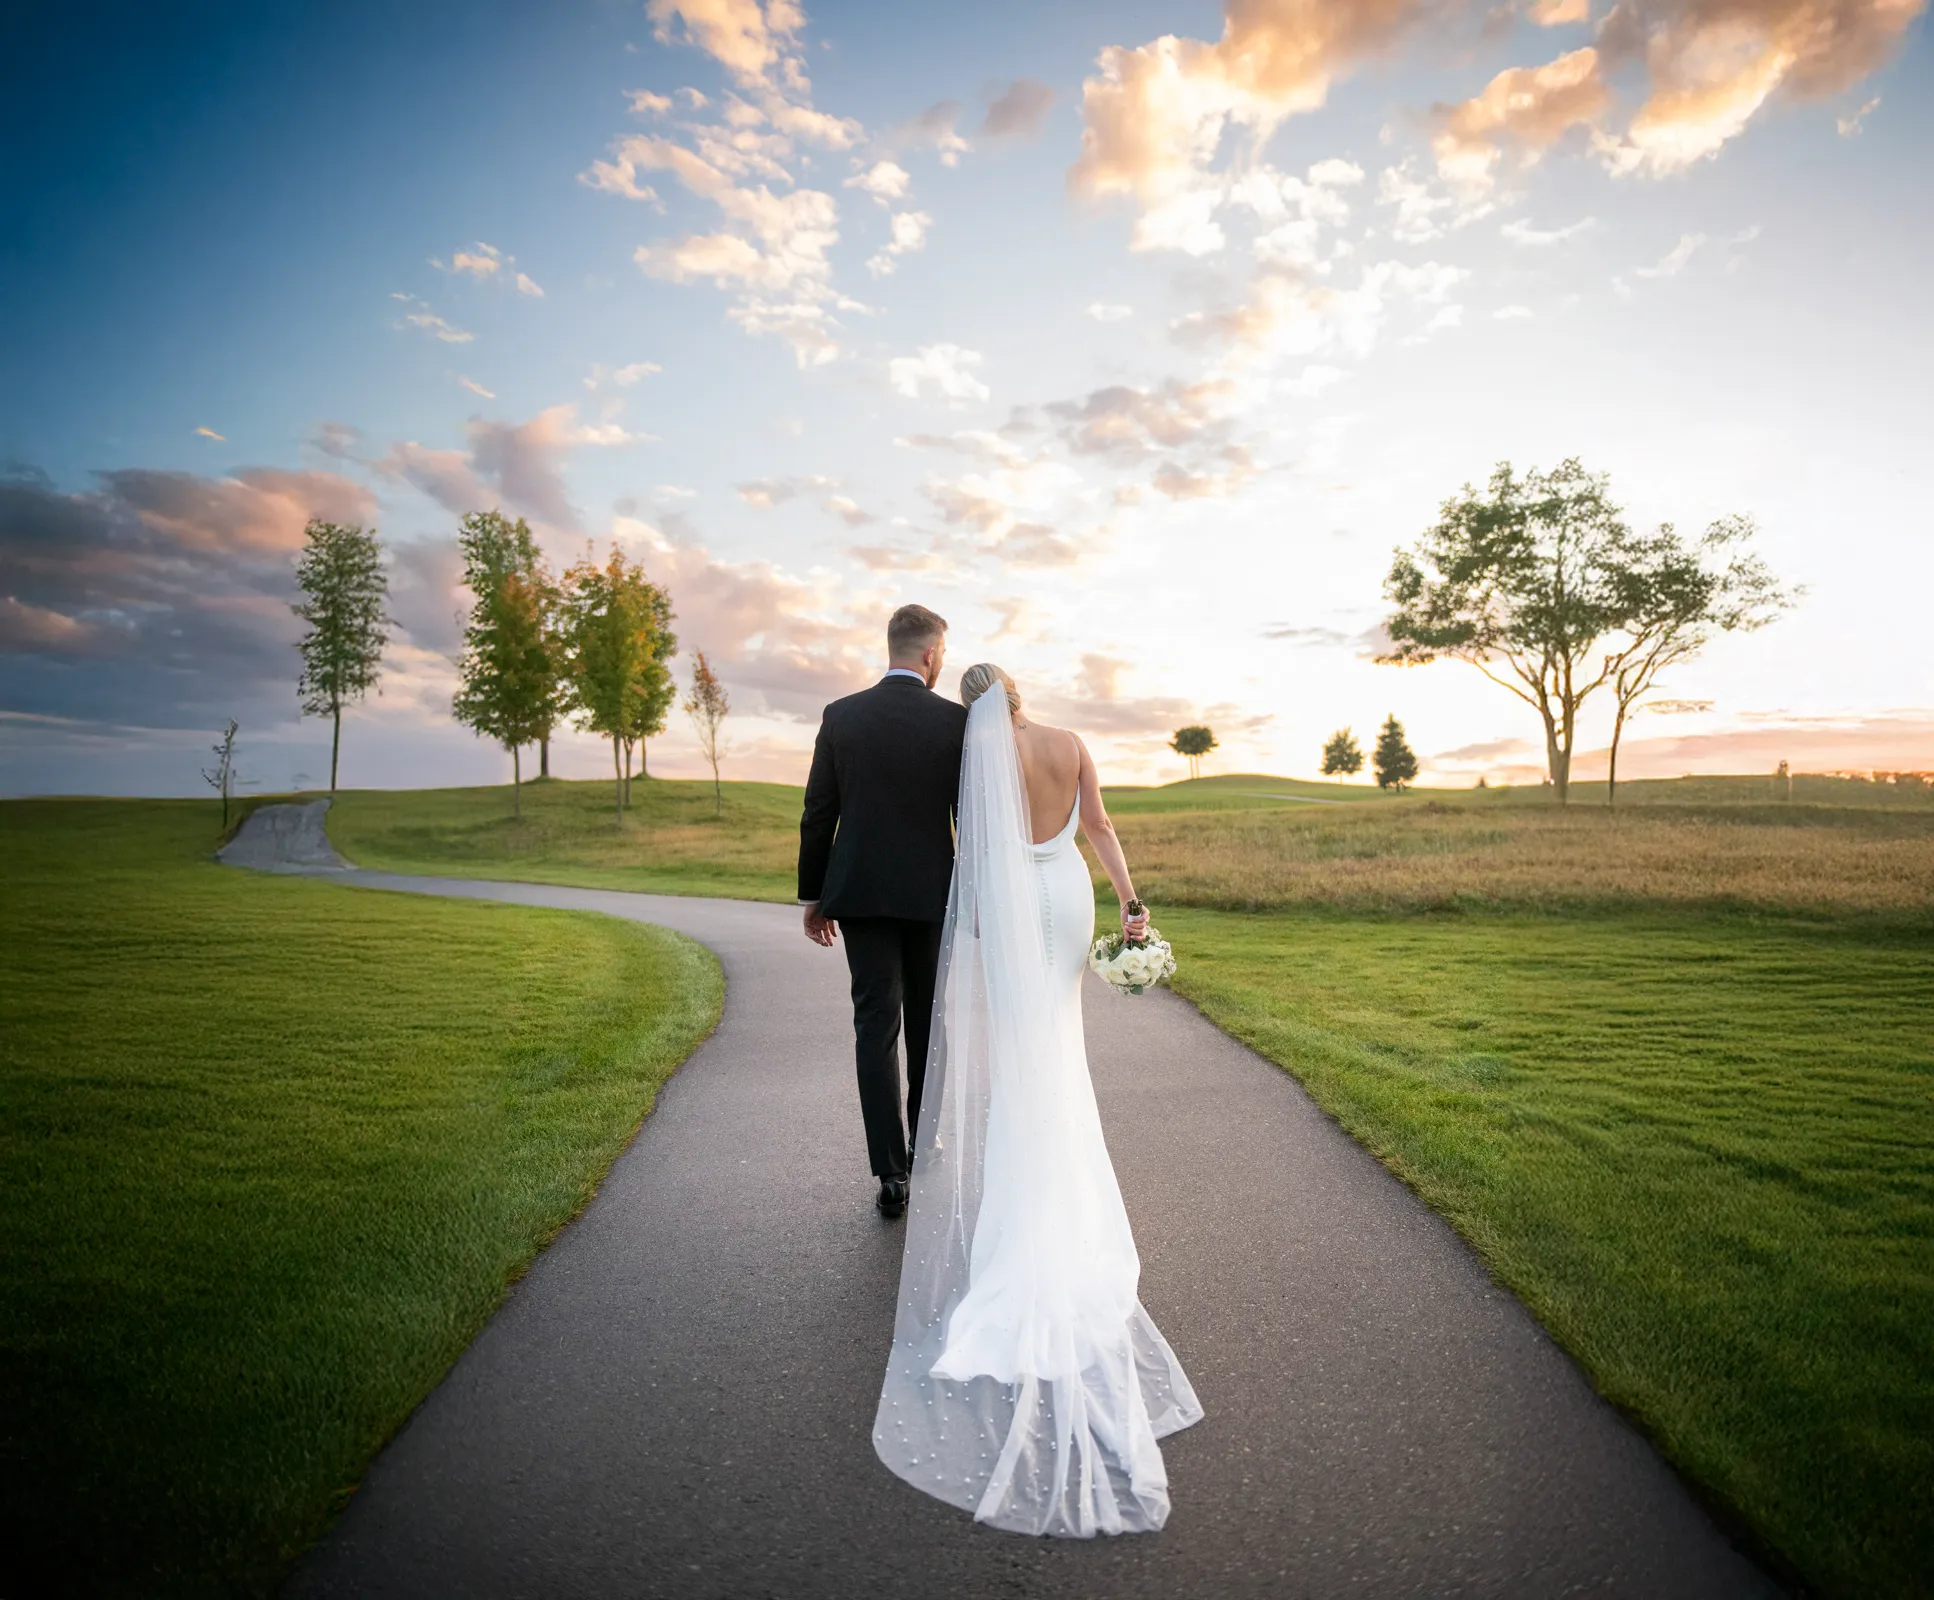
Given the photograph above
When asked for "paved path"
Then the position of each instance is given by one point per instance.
(678, 1398)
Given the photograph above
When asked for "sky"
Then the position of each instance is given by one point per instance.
(1132, 338)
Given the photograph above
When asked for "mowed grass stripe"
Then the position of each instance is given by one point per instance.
(270, 1152)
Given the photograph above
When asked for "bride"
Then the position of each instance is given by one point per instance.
(1026, 1384)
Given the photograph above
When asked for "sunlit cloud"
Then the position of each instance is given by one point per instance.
(942, 370)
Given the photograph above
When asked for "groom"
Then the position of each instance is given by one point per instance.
(876, 855)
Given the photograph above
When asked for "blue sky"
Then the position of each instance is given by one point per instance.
(1144, 422)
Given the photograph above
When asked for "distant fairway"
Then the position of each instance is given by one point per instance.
(1667, 1068)
(270, 1152)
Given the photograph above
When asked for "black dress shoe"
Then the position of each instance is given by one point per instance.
(893, 1197)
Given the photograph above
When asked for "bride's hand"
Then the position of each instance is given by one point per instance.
(1136, 926)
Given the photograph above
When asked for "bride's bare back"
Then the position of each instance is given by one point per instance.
(1051, 772)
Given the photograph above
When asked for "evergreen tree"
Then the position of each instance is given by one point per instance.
(1394, 762)
(1342, 755)
(510, 666)
(345, 589)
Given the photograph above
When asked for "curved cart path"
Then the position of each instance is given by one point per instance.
(678, 1398)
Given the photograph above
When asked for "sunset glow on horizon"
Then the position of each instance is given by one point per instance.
(1131, 338)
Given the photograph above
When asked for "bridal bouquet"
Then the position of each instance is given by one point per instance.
(1132, 965)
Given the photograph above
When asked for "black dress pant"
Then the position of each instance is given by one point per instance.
(894, 963)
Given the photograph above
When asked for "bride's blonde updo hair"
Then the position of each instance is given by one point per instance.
(981, 677)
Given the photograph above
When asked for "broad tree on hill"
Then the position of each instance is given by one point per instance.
(1672, 597)
(1193, 743)
(1395, 763)
(613, 621)
(1521, 582)
(511, 664)
(1342, 755)
(707, 706)
(344, 592)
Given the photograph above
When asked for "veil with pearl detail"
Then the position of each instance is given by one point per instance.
(1026, 1383)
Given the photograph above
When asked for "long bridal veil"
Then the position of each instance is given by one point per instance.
(1026, 1383)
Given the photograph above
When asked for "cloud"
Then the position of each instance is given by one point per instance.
(909, 234)
(765, 494)
(1154, 117)
(934, 129)
(847, 510)
(1526, 108)
(1510, 313)
(1518, 231)
(1095, 704)
(1559, 13)
(475, 387)
(787, 642)
(748, 39)
(483, 263)
(519, 465)
(942, 369)
(1018, 111)
(771, 252)
(526, 286)
(1709, 65)
(885, 181)
(1103, 312)
(421, 316)
(1674, 260)
(1127, 425)
(1314, 637)
(1035, 544)
(774, 245)
(210, 433)
(160, 598)
(621, 377)
(1849, 126)
(1289, 315)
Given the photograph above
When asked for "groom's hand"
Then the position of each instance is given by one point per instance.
(821, 930)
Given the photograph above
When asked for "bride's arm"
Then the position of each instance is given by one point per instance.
(1101, 834)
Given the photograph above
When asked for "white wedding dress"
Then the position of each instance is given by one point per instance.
(1026, 1383)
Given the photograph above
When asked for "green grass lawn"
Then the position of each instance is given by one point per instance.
(669, 841)
(1701, 1149)
(270, 1152)
(1669, 1070)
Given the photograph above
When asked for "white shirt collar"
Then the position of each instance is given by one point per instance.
(906, 672)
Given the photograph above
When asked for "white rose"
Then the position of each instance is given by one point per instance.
(1134, 966)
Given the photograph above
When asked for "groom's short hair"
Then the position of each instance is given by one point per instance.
(911, 629)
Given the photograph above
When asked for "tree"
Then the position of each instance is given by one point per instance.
(222, 777)
(1195, 743)
(345, 589)
(658, 689)
(707, 706)
(1395, 762)
(1521, 583)
(1672, 597)
(510, 688)
(611, 622)
(1342, 755)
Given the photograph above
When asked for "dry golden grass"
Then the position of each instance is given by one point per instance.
(1418, 855)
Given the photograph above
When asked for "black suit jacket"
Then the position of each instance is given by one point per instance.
(876, 838)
